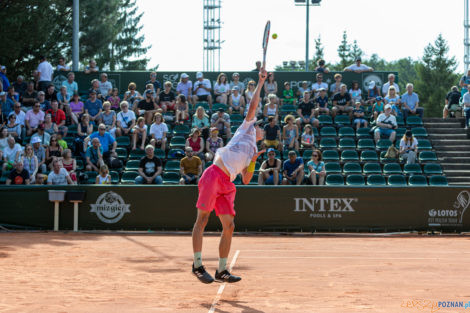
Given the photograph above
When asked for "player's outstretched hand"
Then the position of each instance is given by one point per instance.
(256, 156)
(263, 74)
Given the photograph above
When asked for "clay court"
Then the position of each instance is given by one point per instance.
(66, 272)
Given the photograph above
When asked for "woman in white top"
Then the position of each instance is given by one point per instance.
(221, 89)
(139, 131)
(271, 108)
(103, 177)
(409, 147)
(158, 132)
(356, 92)
(236, 101)
(30, 162)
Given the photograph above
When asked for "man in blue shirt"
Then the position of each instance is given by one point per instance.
(70, 84)
(105, 138)
(6, 103)
(410, 102)
(3, 78)
(94, 107)
(293, 170)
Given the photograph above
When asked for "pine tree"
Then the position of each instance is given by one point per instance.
(355, 51)
(318, 49)
(344, 53)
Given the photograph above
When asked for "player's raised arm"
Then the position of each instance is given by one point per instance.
(255, 99)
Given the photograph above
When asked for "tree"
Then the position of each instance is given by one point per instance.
(435, 76)
(355, 52)
(318, 49)
(344, 53)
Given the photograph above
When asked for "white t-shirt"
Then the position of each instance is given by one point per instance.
(407, 146)
(105, 87)
(221, 88)
(237, 154)
(58, 179)
(20, 117)
(46, 70)
(354, 67)
(185, 89)
(387, 85)
(317, 86)
(158, 129)
(201, 91)
(10, 153)
(390, 119)
(125, 118)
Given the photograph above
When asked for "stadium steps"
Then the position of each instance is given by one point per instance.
(452, 145)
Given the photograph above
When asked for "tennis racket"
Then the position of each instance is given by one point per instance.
(265, 41)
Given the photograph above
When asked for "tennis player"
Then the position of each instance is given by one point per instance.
(217, 191)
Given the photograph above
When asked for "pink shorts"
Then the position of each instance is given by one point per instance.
(216, 191)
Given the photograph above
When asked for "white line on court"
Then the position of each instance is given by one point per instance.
(222, 287)
(341, 257)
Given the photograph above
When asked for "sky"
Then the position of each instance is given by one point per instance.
(393, 29)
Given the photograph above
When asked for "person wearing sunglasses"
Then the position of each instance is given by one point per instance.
(269, 172)
(316, 168)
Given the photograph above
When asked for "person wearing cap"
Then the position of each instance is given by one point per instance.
(377, 107)
(213, 143)
(221, 120)
(236, 101)
(236, 82)
(29, 95)
(150, 168)
(6, 103)
(182, 109)
(358, 116)
(287, 95)
(372, 93)
(410, 103)
(336, 86)
(93, 107)
(147, 107)
(45, 104)
(293, 169)
(217, 191)
(270, 169)
(202, 89)
(342, 102)
(91, 67)
(4, 82)
(196, 142)
(408, 147)
(157, 86)
(390, 83)
(39, 152)
(185, 87)
(20, 85)
(34, 118)
(321, 103)
(306, 112)
(95, 86)
(190, 168)
(358, 67)
(105, 85)
(221, 89)
(387, 123)
(45, 72)
(167, 98)
(318, 84)
(41, 135)
(70, 84)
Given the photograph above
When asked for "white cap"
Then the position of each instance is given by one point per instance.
(387, 106)
(35, 140)
(184, 75)
(372, 84)
(199, 75)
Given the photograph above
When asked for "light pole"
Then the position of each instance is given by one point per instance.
(306, 3)
(75, 35)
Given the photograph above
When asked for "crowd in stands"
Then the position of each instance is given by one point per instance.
(161, 133)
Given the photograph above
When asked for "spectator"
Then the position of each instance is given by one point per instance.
(167, 98)
(53, 151)
(20, 85)
(202, 89)
(108, 117)
(342, 102)
(45, 104)
(270, 85)
(132, 96)
(18, 176)
(11, 153)
(377, 107)
(321, 67)
(34, 118)
(190, 168)
(3, 118)
(70, 84)
(316, 168)
(51, 93)
(272, 133)
(250, 89)
(386, 123)
(271, 108)
(43, 137)
(108, 143)
(466, 110)
(139, 133)
(49, 126)
(105, 86)
(321, 103)
(372, 92)
(4, 82)
(358, 67)
(290, 133)
(57, 115)
(3, 139)
(64, 100)
(84, 129)
(336, 86)
(359, 116)
(60, 140)
(70, 164)
(157, 87)
(396, 110)
(77, 108)
(12, 94)
(269, 172)
(40, 154)
(201, 121)
(409, 148)
(196, 142)
(91, 67)
(355, 92)
(293, 170)
(13, 128)
(147, 107)
(307, 139)
(125, 120)
(390, 83)
(452, 102)
(306, 112)
(221, 89)
(258, 66)
(62, 67)
(182, 109)
(95, 86)
(236, 101)
(287, 95)
(20, 118)
(150, 168)
(410, 102)
(30, 162)
(158, 132)
(6, 103)
(303, 88)
(103, 177)
(94, 156)
(185, 87)
(213, 143)
(221, 120)
(392, 96)
(93, 107)
(236, 82)
(150, 88)
(45, 72)
(114, 99)
(29, 95)
(319, 84)
(58, 175)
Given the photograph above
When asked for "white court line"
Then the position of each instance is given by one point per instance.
(221, 288)
(341, 257)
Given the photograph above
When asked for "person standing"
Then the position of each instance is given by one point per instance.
(45, 72)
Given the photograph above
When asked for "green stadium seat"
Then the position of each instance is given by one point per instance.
(325, 120)
(432, 169)
(238, 180)
(363, 133)
(114, 177)
(177, 142)
(355, 180)
(330, 155)
(4, 177)
(91, 177)
(342, 120)
(413, 121)
(438, 181)
(171, 178)
(347, 143)
(334, 180)
(346, 131)
(122, 153)
(172, 166)
(366, 144)
(136, 154)
(424, 144)
(349, 155)
(254, 180)
(203, 104)
(417, 180)
(233, 128)
(328, 143)
(175, 154)
(128, 177)
(332, 167)
(400, 132)
(383, 144)
(376, 180)
(159, 153)
(72, 129)
(400, 121)
(123, 142)
(307, 155)
(397, 180)
(412, 169)
(419, 132)
(236, 118)
(217, 106)
(383, 159)
(80, 165)
(372, 168)
(181, 130)
(352, 168)
(288, 109)
(369, 155)
(132, 165)
(427, 156)
(328, 131)
(392, 168)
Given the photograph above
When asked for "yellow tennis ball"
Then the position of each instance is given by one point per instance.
(274, 36)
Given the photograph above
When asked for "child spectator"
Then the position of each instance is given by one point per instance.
(316, 168)
(355, 92)
(358, 115)
(139, 133)
(287, 95)
(114, 99)
(182, 109)
(103, 178)
(308, 139)
(290, 133)
(60, 140)
(378, 107)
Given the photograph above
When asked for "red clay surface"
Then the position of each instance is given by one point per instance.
(56, 272)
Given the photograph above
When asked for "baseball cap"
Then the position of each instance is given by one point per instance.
(235, 74)
(322, 89)
(358, 102)
(409, 134)
(92, 91)
(387, 106)
(379, 98)
(235, 88)
(41, 126)
(259, 123)
(358, 59)
(2, 93)
(214, 129)
(372, 84)
(184, 75)
(35, 140)
(270, 150)
(199, 75)
(2, 67)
